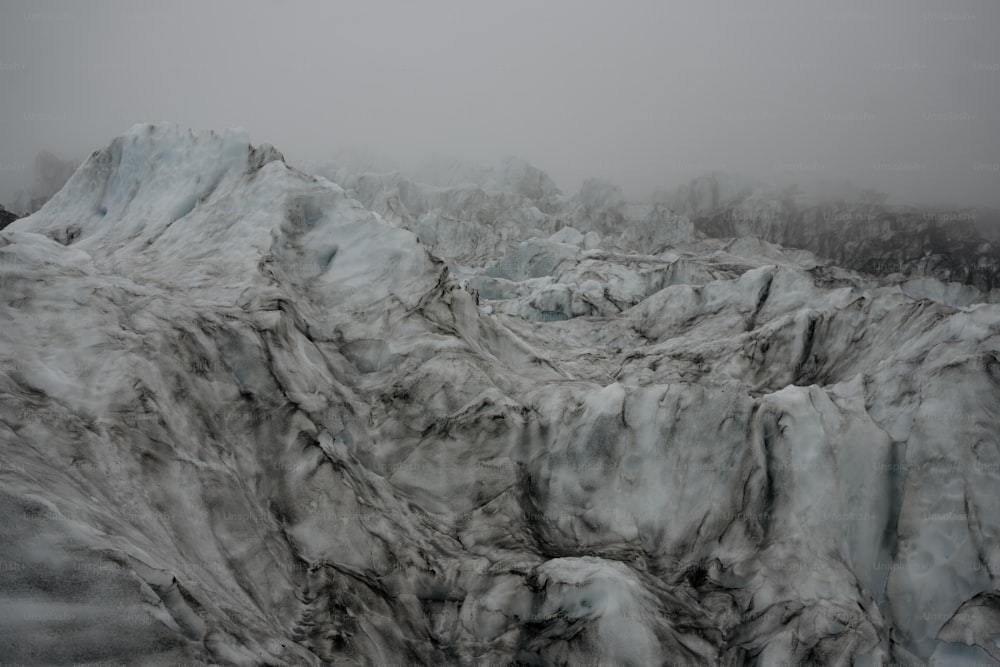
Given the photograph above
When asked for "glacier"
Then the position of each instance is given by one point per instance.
(258, 415)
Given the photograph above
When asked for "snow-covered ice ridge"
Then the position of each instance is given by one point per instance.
(250, 416)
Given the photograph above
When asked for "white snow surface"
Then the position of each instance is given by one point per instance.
(252, 416)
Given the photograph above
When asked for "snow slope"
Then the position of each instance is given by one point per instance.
(250, 416)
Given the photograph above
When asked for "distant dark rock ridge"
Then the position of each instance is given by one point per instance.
(51, 173)
(6, 217)
(947, 245)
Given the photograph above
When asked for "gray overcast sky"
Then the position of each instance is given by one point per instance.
(901, 95)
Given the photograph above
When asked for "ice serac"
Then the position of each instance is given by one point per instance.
(251, 416)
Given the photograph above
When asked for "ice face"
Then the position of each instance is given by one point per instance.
(253, 416)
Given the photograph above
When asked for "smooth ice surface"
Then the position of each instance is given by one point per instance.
(254, 416)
